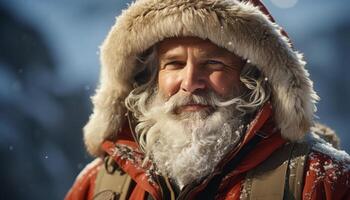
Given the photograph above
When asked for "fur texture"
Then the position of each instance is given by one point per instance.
(237, 26)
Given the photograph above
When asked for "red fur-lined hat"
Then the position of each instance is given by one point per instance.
(242, 27)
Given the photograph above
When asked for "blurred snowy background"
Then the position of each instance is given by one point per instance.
(49, 67)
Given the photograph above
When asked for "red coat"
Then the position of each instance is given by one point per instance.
(327, 171)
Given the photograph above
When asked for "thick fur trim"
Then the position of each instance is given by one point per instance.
(237, 26)
(327, 134)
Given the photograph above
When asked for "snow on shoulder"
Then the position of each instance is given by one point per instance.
(321, 146)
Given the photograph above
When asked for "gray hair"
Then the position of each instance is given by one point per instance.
(254, 93)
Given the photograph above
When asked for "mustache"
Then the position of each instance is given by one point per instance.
(207, 98)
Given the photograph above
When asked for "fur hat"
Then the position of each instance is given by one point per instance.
(242, 27)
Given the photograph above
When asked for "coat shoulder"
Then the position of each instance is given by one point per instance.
(327, 171)
(324, 150)
(84, 183)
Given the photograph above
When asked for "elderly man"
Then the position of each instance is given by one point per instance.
(205, 100)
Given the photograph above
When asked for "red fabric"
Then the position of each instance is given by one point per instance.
(138, 193)
(134, 169)
(233, 191)
(230, 187)
(326, 177)
(83, 187)
(321, 181)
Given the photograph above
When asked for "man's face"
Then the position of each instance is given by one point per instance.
(191, 65)
(191, 122)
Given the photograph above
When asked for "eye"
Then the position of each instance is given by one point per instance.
(173, 65)
(214, 64)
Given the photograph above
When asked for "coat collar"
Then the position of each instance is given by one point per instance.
(126, 153)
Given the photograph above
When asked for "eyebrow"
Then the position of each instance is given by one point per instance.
(169, 57)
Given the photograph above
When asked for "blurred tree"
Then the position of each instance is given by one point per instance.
(40, 140)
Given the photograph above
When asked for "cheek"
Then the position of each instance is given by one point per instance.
(168, 83)
(224, 83)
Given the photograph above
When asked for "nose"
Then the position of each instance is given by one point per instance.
(193, 78)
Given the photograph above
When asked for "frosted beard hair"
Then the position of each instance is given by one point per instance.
(187, 146)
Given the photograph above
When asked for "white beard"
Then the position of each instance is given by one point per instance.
(187, 148)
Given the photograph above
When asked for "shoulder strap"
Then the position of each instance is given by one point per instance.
(295, 171)
(111, 183)
(278, 177)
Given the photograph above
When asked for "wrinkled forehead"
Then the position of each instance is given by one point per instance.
(176, 48)
(173, 47)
